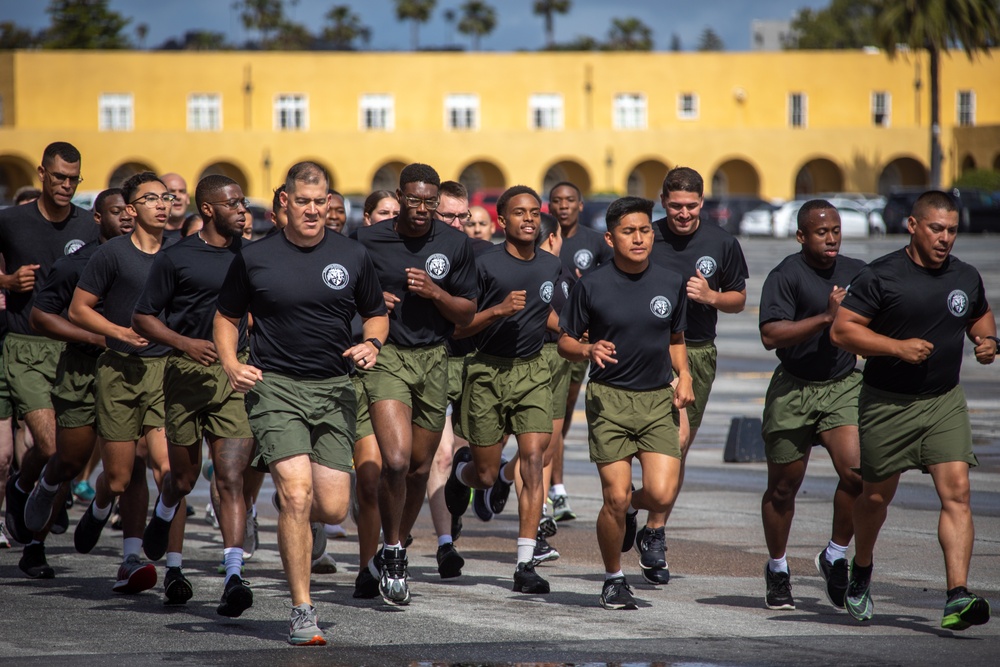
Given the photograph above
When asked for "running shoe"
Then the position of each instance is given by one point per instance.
(617, 594)
(16, 499)
(526, 580)
(236, 597)
(547, 527)
(480, 506)
(176, 587)
(4, 542)
(210, 517)
(450, 562)
(630, 526)
(366, 585)
(88, 530)
(61, 523)
(392, 584)
(835, 576)
(156, 535)
(652, 546)
(658, 576)
(38, 507)
(858, 600)
(778, 593)
(335, 531)
(544, 551)
(456, 494)
(965, 609)
(325, 564)
(251, 536)
(561, 511)
(408, 541)
(134, 576)
(303, 629)
(83, 491)
(496, 495)
(116, 517)
(33, 562)
(319, 540)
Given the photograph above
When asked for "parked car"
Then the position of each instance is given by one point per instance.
(855, 221)
(727, 212)
(758, 221)
(979, 209)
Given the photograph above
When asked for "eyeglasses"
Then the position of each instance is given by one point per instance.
(415, 202)
(233, 204)
(452, 217)
(62, 178)
(152, 200)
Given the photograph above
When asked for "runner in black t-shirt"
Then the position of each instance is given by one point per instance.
(909, 313)
(712, 264)
(427, 271)
(302, 287)
(812, 398)
(634, 311)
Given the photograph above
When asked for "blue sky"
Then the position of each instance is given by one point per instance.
(517, 27)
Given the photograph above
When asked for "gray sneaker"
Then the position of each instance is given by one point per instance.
(303, 629)
(319, 540)
(251, 537)
(38, 509)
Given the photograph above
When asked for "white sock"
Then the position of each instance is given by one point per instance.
(459, 469)
(175, 559)
(51, 488)
(835, 552)
(612, 575)
(253, 510)
(557, 490)
(778, 564)
(503, 477)
(131, 546)
(233, 558)
(525, 549)
(372, 570)
(444, 539)
(101, 513)
(164, 512)
(397, 545)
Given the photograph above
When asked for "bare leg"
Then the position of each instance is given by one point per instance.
(293, 480)
(845, 453)
(425, 444)
(368, 469)
(391, 421)
(955, 530)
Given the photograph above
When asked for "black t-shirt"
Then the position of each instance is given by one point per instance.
(905, 300)
(794, 291)
(585, 250)
(444, 253)
(636, 312)
(463, 346)
(54, 295)
(523, 333)
(26, 237)
(564, 285)
(117, 273)
(302, 301)
(184, 286)
(714, 252)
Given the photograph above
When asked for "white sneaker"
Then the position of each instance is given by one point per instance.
(325, 564)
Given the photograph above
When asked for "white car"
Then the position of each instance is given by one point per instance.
(855, 222)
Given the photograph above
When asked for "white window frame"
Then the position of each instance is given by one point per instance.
(116, 112)
(629, 111)
(204, 112)
(803, 119)
(286, 106)
(886, 108)
(545, 111)
(971, 120)
(377, 112)
(686, 111)
(461, 111)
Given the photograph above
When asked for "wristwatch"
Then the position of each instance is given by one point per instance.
(376, 342)
(996, 341)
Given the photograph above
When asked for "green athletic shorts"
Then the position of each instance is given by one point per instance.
(30, 366)
(504, 395)
(73, 395)
(363, 426)
(578, 372)
(623, 422)
(415, 376)
(560, 369)
(795, 410)
(292, 416)
(129, 395)
(200, 400)
(702, 357)
(901, 432)
(456, 378)
(6, 407)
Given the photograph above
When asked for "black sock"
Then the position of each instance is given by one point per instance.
(957, 591)
(858, 572)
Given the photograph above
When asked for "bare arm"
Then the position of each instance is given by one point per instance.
(512, 303)
(455, 309)
(57, 327)
(684, 391)
(786, 333)
(226, 331)
(699, 291)
(83, 313)
(22, 280)
(850, 332)
(150, 326)
(600, 353)
(365, 354)
(986, 348)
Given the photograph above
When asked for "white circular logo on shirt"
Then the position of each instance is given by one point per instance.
(660, 306)
(545, 291)
(335, 276)
(958, 303)
(72, 246)
(437, 266)
(706, 265)
(565, 289)
(583, 259)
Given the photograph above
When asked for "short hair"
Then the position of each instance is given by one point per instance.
(101, 198)
(308, 173)
(453, 189)
(809, 207)
(418, 173)
(26, 193)
(189, 223)
(619, 208)
(276, 200)
(933, 199)
(132, 183)
(334, 193)
(512, 192)
(546, 228)
(684, 179)
(565, 184)
(63, 149)
(374, 198)
(208, 185)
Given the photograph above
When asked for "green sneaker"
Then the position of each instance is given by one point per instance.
(858, 601)
(965, 609)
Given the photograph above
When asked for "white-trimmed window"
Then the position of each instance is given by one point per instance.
(377, 112)
(114, 112)
(461, 112)
(881, 108)
(291, 111)
(204, 112)
(545, 111)
(630, 111)
(797, 110)
(687, 106)
(966, 111)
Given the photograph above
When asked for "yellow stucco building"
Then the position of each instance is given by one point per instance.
(773, 124)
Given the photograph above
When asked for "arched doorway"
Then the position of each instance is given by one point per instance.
(818, 175)
(646, 179)
(122, 172)
(223, 168)
(902, 172)
(15, 172)
(387, 176)
(735, 177)
(566, 170)
(968, 163)
(482, 175)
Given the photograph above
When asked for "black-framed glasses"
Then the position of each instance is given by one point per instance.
(452, 217)
(62, 178)
(233, 204)
(152, 200)
(430, 204)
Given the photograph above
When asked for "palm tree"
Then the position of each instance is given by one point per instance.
(417, 11)
(141, 30)
(710, 41)
(937, 25)
(478, 19)
(345, 26)
(548, 9)
(629, 34)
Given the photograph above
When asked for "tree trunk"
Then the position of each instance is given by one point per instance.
(935, 175)
(550, 37)
(414, 36)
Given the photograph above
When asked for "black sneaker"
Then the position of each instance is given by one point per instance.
(456, 494)
(652, 547)
(15, 502)
(835, 575)
(88, 531)
(543, 550)
(480, 506)
(392, 585)
(450, 562)
(965, 609)
(547, 526)
(33, 562)
(526, 580)
(617, 594)
(630, 526)
(61, 523)
(236, 598)
(456, 528)
(408, 541)
(157, 535)
(366, 586)
(858, 601)
(779, 590)
(496, 495)
(658, 576)
(176, 587)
